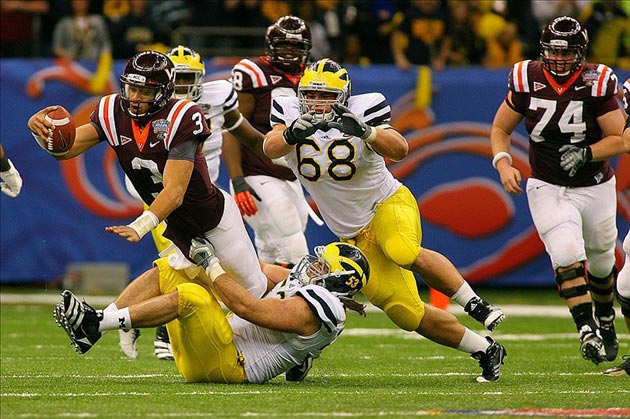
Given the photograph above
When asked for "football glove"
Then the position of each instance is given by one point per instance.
(202, 253)
(11, 181)
(350, 124)
(244, 196)
(574, 157)
(301, 129)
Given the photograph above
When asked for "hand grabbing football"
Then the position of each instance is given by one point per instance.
(61, 138)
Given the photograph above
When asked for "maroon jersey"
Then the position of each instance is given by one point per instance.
(558, 114)
(257, 76)
(626, 96)
(143, 152)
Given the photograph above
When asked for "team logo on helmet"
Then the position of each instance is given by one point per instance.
(189, 72)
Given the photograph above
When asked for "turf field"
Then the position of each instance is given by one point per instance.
(373, 370)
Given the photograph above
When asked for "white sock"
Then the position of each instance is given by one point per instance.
(464, 294)
(115, 319)
(472, 342)
(110, 307)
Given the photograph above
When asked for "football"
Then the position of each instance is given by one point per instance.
(61, 138)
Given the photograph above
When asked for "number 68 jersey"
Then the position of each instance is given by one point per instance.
(557, 114)
(345, 177)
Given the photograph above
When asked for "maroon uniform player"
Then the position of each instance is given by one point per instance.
(268, 194)
(158, 142)
(574, 125)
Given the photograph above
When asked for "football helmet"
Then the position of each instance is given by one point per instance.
(339, 267)
(288, 43)
(189, 72)
(328, 76)
(149, 77)
(564, 34)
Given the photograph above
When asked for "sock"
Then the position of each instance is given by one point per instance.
(464, 294)
(115, 319)
(110, 307)
(583, 315)
(472, 342)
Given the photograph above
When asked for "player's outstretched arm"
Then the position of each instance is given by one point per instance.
(274, 145)
(505, 121)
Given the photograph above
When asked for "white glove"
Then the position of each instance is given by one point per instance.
(574, 157)
(350, 124)
(12, 181)
(202, 253)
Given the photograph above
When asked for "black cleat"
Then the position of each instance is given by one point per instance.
(490, 361)
(162, 344)
(609, 337)
(591, 345)
(299, 372)
(620, 370)
(79, 320)
(484, 312)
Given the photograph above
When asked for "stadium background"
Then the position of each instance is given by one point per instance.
(60, 216)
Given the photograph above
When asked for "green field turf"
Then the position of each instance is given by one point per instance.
(373, 370)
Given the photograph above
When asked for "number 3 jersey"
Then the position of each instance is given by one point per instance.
(345, 177)
(268, 353)
(143, 152)
(559, 114)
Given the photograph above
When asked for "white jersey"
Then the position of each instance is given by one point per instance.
(269, 353)
(217, 98)
(345, 177)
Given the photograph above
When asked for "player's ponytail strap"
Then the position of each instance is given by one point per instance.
(146, 222)
(500, 155)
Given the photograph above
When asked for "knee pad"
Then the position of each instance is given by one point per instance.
(568, 275)
(403, 316)
(602, 286)
(192, 297)
(402, 252)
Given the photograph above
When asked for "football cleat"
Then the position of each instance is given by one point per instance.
(128, 342)
(79, 320)
(484, 312)
(299, 372)
(162, 344)
(609, 337)
(591, 345)
(490, 361)
(620, 370)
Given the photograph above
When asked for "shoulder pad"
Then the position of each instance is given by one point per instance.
(372, 107)
(518, 80)
(601, 78)
(219, 93)
(252, 75)
(324, 305)
(284, 109)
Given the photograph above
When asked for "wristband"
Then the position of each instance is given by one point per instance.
(288, 138)
(215, 271)
(589, 153)
(238, 122)
(499, 156)
(146, 222)
(370, 135)
(5, 164)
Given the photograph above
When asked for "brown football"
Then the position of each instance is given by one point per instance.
(62, 137)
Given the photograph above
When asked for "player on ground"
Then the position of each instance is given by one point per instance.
(574, 125)
(158, 141)
(258, 341)
(268, 194)
(623, 280)
(219, 103)
(336, 143)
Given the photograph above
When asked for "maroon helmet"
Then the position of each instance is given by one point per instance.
(288, 43)
(563, 34)
(150, 77)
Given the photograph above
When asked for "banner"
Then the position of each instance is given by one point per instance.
(61, 214)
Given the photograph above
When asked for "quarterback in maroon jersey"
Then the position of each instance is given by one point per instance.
(574, 125)
(268, 194)
(158, 142)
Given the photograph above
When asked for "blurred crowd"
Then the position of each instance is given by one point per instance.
(439, 33)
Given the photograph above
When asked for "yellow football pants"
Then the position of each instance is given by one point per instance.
(201, 337)
(391, 243)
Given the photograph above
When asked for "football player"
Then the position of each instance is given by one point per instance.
(336, 143)
(259, 340)
(269, 196)
(11, 180)
(574, 125)
(219, 103)
(623, 280)
(158, 141)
